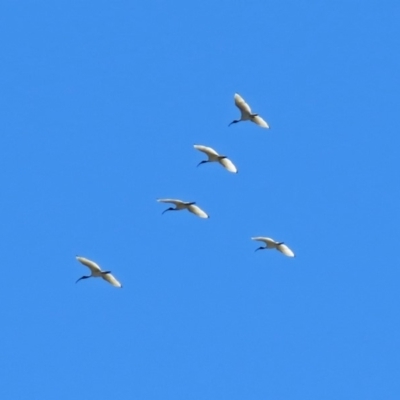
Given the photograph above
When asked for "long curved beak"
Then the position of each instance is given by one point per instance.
(168, 209)
(259, 248)
(201, 162)
(82, 277)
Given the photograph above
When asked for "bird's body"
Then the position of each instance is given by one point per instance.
(213, 156)
(96, 272)
(182, 205)
(246, 114)
(272, 244)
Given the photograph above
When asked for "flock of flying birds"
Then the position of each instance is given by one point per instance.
(213, 156)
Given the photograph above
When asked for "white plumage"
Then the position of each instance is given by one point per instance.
(213, 156)
(96, 272)
(182, 205)
(272, 244)
(246, 114)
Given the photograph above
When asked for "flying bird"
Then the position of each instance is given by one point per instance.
(272, 244)
(214, 156)
(246, 114)
(182, 205)
(97, 272)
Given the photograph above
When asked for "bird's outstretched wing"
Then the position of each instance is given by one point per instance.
(206, 150)
(242, 105)
(197, 211)
(88, 263)
(228, 164)
(173, 201)
(285, 250)
(270, 243)
(260, 122)
(111, 279)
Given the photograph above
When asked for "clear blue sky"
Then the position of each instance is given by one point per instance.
(101, 104)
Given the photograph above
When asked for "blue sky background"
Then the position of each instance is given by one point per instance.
(101, 105)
